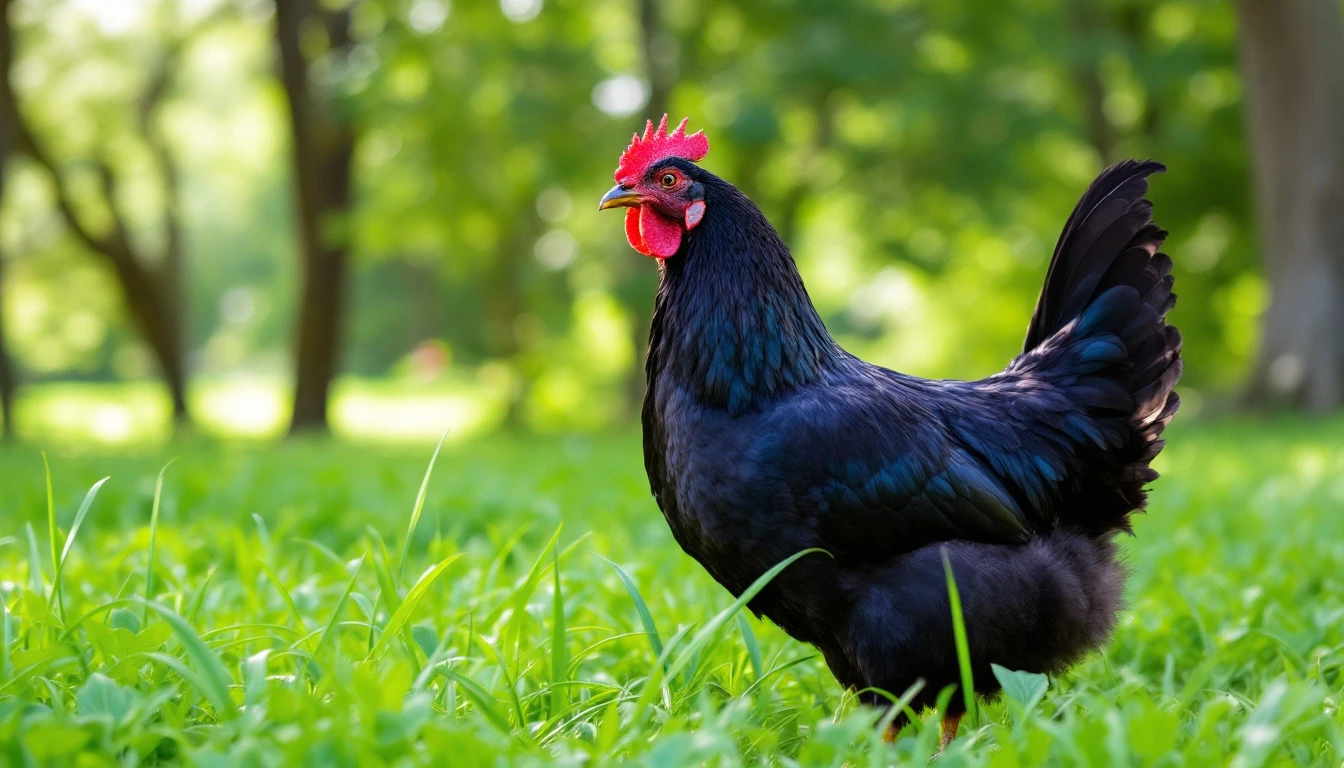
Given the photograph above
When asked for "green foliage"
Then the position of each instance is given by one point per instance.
(100, 695)
(515, 641)
(1023, 688)
(921, 157)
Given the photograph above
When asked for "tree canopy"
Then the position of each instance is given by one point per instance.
(919, 156)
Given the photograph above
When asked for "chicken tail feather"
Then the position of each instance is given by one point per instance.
(1099, 334)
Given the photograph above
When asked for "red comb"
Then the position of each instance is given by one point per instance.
(657, 144)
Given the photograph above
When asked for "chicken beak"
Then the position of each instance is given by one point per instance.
(619, 196)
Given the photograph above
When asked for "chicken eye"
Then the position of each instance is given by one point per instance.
(668, 180)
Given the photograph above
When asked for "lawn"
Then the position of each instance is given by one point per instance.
(292, 619)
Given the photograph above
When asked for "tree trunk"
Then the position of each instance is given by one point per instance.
(319, 335)
(169, 278)
(155, 312)
(1083, 17)
(323, 148)
(659, 58)
(1292, 55)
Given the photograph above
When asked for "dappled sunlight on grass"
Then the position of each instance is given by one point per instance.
(139, 413)
(105, 414)
(246, 408)
(394, 411)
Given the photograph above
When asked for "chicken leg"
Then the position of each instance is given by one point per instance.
(951, 723)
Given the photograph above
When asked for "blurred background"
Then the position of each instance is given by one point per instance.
(245, 218)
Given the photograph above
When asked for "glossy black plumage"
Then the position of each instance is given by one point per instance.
(762, 437)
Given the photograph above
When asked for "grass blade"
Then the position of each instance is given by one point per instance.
(707, 632)
(959, 634)
(34, 562)
(482, 699)
(510, 682)
(519, 597)
(388, 588)
(199, 600)
(153, 532)
(284, 593)
(51, 520)
(510, 637)
(645, 617)
(213, 677)
(79, 517)
(774, 671)
(403, 613)
(340, 605)
(668, 669)
(898, 704)
(69, 542)
(419, 507)
(753, 647)
(559, 652)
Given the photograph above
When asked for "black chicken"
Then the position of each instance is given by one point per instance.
(762, 437)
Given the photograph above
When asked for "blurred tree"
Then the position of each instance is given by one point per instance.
(484, 145)
(8, 381)
(1293, 63)
(150, 282)
(310, 35)
(919, 157)
(1088, 22)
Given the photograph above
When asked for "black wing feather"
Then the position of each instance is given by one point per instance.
(1065, 434)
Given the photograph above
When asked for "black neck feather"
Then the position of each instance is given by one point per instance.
(732, 321)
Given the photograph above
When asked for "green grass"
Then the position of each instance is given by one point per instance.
(308, 605)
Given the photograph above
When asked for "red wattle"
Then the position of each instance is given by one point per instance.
(632, 231)
(652, 233)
